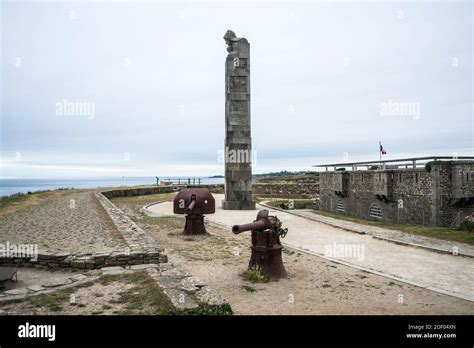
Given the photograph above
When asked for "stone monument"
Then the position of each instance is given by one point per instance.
(238, 142)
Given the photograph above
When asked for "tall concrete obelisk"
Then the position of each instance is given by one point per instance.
(238, 142)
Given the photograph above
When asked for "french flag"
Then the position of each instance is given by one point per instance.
(382, 151)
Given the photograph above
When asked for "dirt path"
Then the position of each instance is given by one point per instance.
(73, 222)
(314, 285)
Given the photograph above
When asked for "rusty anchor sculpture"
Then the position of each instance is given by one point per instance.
(266, 246)
(194, 202)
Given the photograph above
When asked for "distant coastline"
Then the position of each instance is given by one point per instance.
(12, 186)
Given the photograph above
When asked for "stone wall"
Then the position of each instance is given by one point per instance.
(453, 192)
(412, 195)
(84, 261)
(151, 190)
(217, 188)
(296, 203)
(286, 190)
(139, 191)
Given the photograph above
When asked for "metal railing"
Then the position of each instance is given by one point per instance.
(412, 162)
(181, 181)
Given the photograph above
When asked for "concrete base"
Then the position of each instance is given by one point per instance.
(238, 205)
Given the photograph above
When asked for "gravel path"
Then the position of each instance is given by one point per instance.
(441, 272)
(428, 242)
(73, 222)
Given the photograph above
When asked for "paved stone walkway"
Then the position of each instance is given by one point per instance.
(445, 246)
(445, 273)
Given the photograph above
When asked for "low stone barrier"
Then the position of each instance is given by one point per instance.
(83, 261)
(152, 190)
(142, 249)
(286, 190)
(297, 203)
(138, 241)
(139, 191)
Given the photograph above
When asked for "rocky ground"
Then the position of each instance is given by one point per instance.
(94, 292)
(164, 288)
(64, 221)
(314, 285)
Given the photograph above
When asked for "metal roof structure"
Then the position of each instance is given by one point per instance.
(411, 162)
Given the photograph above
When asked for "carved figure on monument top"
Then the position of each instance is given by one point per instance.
(235, 44)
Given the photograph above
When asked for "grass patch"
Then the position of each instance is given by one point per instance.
(51, 301)
(167, 223)
(256, 275)
(466, 225)
(145, 296)
(295, 178)
(298, 203)
(206, 309)
(84, 285)
(142, 295)
(445, 233)
(109, 278)
(143, 200)
(248, 288)
(19, 200)
(12, 199)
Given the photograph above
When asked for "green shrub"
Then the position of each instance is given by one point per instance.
(466, 225)
(256, 275)
(248, 288)
(207, 309)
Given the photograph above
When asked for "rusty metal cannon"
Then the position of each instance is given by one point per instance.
(194, 202)
(266, 246)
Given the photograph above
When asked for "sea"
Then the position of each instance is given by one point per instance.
(12, 186)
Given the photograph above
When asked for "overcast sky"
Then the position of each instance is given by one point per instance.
(321, 76)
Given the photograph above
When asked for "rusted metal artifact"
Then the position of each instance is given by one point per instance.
(266, 246)
(194, 202)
